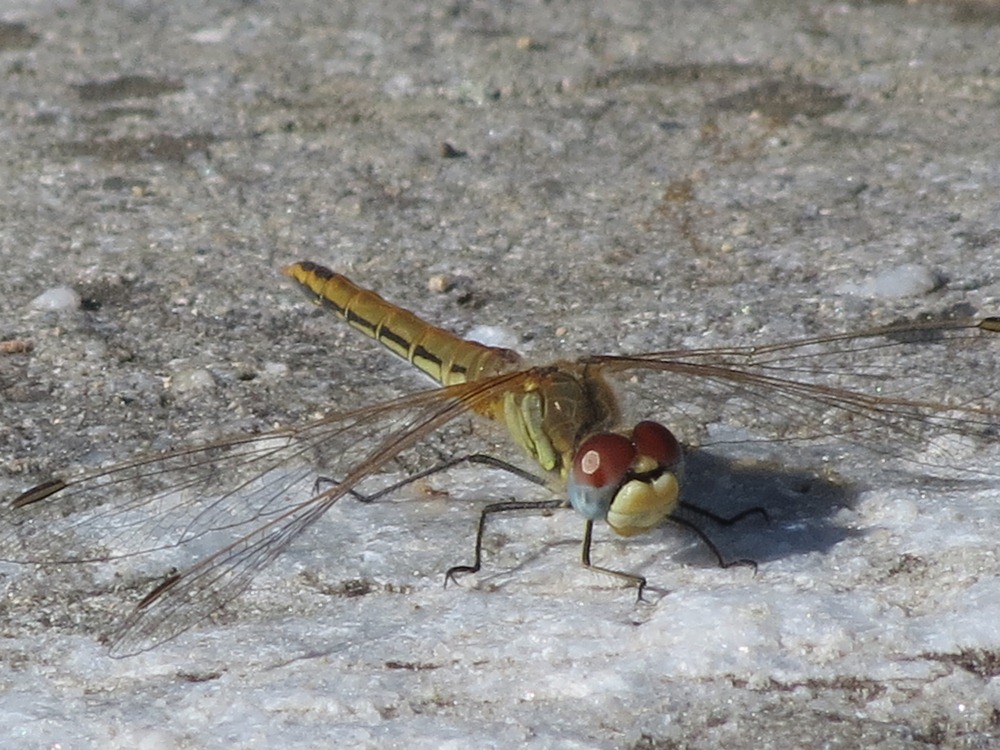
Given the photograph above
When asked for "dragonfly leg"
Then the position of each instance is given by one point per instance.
(633, 580)
(481, 459)
(742, 562)
(724, 520)
(489, 510)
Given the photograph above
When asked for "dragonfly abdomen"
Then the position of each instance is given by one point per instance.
(446, 357)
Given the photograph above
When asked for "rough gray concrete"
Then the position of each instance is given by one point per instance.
(590, 176)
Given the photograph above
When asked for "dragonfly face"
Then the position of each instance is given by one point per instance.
(632, 482)
(260, 492)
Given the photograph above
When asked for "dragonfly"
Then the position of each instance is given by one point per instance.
(245, 498)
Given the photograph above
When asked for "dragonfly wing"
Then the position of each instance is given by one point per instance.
(184, 599)
(894, 390)
(155, 503)
(184, 498)
(233, 505)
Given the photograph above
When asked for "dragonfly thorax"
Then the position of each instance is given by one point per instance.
(553, 411)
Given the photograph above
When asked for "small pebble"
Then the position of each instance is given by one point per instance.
(192, 381)
(492, 336)
(908, 280)
(56, 299)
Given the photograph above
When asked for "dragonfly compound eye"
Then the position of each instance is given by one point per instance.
(599, 468)
(656, 441)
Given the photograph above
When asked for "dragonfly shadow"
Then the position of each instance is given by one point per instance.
(801, 508)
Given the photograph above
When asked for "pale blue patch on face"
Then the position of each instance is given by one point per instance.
(591, 502)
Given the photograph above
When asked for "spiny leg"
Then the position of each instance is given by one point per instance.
(707, 541)
(491, 509)
(640, 582)
(632, 579)
(481, 459)
(726, 520)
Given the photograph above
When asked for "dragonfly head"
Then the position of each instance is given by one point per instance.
(632, 482)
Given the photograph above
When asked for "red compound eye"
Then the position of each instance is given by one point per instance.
(656, 441)
(602, 460)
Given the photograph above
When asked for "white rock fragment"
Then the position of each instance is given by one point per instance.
(57, 299)
(275, 371)
(907, 280)
(492, 336)
(192, 380)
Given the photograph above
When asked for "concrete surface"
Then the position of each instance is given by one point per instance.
(586, 176)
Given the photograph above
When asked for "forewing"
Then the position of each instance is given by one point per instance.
(924, 391)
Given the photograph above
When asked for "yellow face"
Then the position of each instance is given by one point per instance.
(640, 505)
